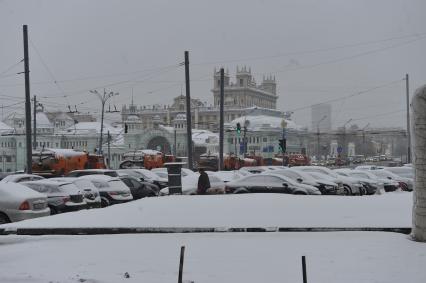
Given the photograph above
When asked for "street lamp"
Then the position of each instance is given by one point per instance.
(344, 137)
(103, 97)
(318, 136)
(364, 149)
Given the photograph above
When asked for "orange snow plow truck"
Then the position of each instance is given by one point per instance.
(57, 162)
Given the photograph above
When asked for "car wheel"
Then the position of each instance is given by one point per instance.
(4, 219)
(300, 193)
(53, 210)
(347, 191)
(104, 202)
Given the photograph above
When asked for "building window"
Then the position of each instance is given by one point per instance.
(241, 82)
(265, 139)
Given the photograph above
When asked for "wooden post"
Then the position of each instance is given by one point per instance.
(182, 255)
(305, 279)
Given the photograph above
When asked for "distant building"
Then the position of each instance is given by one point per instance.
(240, 96)
(245, 92)
(321, 117)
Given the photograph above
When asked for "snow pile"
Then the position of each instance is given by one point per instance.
(250, 210)
(350, 257)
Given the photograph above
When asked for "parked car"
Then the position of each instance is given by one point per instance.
(226, 176)
(18, 178)
(388, 185)
(371, 186)
(326, 187)
(79, 173)
(406, 172)
(146, 183)
(406, 184)
(146, 176)
(137, 188)
(190, 184)
(18, 202)
(90, 192)
(61, 196)
(162, 172)
(351, 186)
(269, 183)
(111, 189)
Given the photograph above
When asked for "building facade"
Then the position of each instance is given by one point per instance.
(240, 96)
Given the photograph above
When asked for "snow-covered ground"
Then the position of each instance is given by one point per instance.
(224, 257)
(348, 257)
(246, 210)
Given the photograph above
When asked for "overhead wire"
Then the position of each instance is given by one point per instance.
(10, 68)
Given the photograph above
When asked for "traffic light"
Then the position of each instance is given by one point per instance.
(238, 128)
(282, 145)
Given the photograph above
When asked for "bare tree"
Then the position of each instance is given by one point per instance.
(419, 133)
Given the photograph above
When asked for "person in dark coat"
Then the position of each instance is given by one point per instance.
(203, 182)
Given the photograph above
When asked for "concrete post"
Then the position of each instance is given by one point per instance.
(418, 127)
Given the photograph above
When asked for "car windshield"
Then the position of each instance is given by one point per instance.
(117, 185)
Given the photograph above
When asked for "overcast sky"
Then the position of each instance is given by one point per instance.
(318, 50)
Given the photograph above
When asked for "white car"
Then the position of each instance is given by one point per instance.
(406, 172)
(351, 186)
(90, 192)
(111, 189)
(18, 178)
(406, 184)
(162, 172)
(226, 176)
(18, 202)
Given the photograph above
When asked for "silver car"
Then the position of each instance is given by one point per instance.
(18, 202)
(90, 192)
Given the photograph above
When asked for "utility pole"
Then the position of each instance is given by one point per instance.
(175, 144)
(407, 90)
(109, 151)
(222, 89)
(27, 103)
(35, 123)
(103, 99)
(188, 112)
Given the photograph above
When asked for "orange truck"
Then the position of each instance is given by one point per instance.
(146, 158)
(55, 162)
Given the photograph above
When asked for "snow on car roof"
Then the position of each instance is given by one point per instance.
(16, 190)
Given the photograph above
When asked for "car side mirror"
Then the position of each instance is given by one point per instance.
(285, 185)
(389, 178)
(300, 180)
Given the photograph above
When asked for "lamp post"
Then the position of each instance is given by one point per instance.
(363, 139)
(284, 142)
(318, 136)
(103, 97)
(344, 138)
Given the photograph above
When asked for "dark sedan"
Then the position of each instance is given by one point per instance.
(137, 188)
(269, 183)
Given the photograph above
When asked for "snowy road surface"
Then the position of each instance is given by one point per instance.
(250, 210)
(356, 257)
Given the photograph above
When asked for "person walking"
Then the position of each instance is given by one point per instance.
(203, 182)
